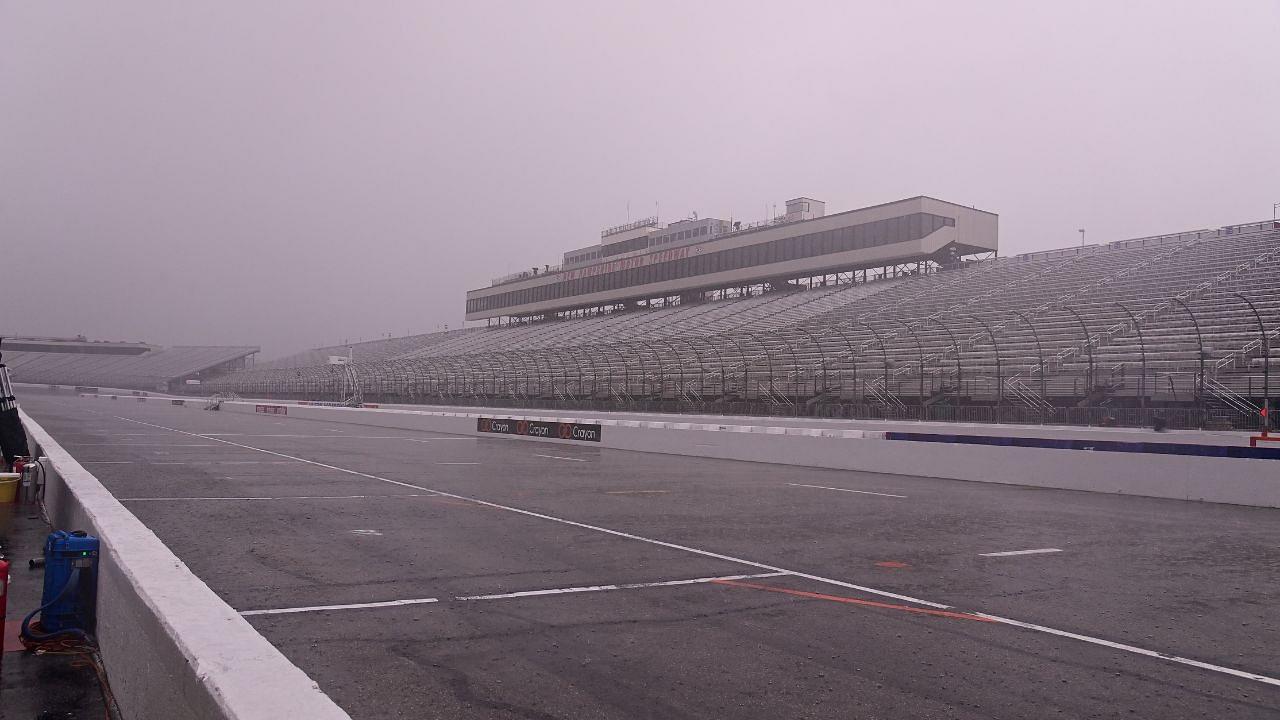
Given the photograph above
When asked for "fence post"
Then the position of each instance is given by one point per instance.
(1088, 345)
(999, 380)
(920, 357)
(956, 345)
(1142, 347)
(1044, 394)
(1266, 366)
(1200, 352)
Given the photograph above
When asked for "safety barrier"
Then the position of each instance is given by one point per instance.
(173, 648)
(1130, 462)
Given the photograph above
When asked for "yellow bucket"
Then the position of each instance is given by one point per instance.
(9, 487)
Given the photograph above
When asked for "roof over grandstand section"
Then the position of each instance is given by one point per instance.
(78, 361)
(79, 344)
(708, 254)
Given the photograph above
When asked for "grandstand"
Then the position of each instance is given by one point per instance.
(1176, 327)
(138, 366)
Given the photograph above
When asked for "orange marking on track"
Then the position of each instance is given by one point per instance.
(892, 564)
(852, 601)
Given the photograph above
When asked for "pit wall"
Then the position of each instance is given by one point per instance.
(172, 648)
(1104, 460)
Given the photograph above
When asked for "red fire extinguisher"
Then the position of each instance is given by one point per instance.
(4, 599)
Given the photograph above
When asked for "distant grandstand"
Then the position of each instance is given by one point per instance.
(1173, 328)
(139, 366)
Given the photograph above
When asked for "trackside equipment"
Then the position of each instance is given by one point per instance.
(67, 607)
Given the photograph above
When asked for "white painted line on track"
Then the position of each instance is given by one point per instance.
(352, 606)
(357, 473)
(111, 444)
(435, 439)
(743, 561)
(624, 586)
(559, 457)
(106, 462)
(282, 497)
(458, 463)
(223, 462)
(1134, 649)
(508, 596)
(1011, 553)
(239, 462)
(860, 492)
(306, 437)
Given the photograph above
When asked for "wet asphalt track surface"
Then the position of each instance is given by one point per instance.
(267, 532)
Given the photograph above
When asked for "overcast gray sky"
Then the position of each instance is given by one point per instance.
(292, 174)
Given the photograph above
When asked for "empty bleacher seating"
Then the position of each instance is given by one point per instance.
(1111, 326)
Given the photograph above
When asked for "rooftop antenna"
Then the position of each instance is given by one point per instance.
(628, 212)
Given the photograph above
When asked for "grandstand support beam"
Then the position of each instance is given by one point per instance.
(702, 370)
(538, 359)
(1088, 345)
(853, 356)
(720, 360)
(920, 359)
(626, 371)
(822, 359)
(521, 373)
(956, 344)
(1044, 387)
(884, 352)
(425, 380)
(564, 362)
(511, 381)
(595, 373)
(1142, 350)
(675, 353)
(577, 366)
(795, 364)
(746, 380)
(1195, 323)
(1266, 364)
(662, 373)
(995, 344)
(767, 358)
(494, 366)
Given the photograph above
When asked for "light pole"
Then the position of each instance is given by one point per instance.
(1081, 231)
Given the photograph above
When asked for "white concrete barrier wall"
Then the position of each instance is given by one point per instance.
(1237, 481)
(172, 648)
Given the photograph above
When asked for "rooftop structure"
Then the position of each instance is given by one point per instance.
(641, 262)
(80, 362)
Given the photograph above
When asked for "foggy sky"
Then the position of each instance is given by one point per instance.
(291, 174)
